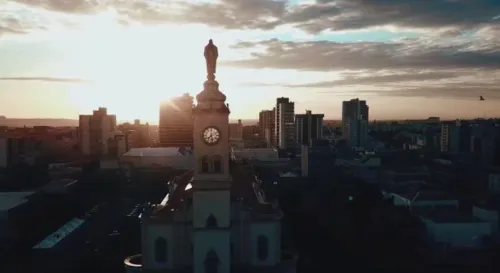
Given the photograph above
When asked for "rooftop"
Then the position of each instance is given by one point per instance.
(10, 200)
(433, 196)
(445, 214)
(54, 238)
(244, 187)
(159, 151)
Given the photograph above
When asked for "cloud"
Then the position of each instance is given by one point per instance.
(450, 91)
(360, 14)
(77, 6)
(374, 80)
(449, 16)
(420, 67)
(229, 14)
(328, 55)
(44, 79)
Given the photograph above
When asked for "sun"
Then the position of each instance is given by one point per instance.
(131, 70)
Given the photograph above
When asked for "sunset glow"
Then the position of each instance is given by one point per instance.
(62, 62)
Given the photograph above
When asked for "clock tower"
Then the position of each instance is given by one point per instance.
(211, 182)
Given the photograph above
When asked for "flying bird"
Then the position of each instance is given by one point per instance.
(481, 98)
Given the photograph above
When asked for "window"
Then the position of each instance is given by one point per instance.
(211, 262)
(217, 160)
(211, 221)
(262, 247)
(161, 253)
(205, 165)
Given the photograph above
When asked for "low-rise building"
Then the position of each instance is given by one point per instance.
(12, 204)
(450, 228)
(264, 154)
(176, 158)
(424, 199)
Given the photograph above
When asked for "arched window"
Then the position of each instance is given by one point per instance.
(262, 247)
(217, 161)
(211, 221)
(205, 164)
(161, 250)
(211, 262)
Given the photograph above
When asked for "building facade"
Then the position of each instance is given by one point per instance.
(308, 127)
(355, 122)
(236, 131)
(284, 123)
(176, 122)
(455, 137)
(94, 132)
(266, 126)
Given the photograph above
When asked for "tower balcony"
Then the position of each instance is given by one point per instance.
(133, 264)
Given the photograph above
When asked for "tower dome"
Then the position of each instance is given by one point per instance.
(211, 93)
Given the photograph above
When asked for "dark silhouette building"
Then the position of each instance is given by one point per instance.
(308, 127)
(176, 122)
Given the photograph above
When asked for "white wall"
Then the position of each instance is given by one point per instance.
(271, 230)
(211, 202)
(217, 240)
(488, 215)
(150, 234)
(458, 234)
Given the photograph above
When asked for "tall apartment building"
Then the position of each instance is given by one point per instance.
(176, 122)
(308, 127)
(485, 142)
(95, 131)
(266, 126)
(355, 122)
(455, 137)
(284, 123)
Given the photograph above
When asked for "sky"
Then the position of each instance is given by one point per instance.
(407, 58)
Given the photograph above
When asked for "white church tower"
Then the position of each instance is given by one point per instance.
(211, 182)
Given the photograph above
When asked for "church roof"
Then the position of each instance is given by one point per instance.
(243, 188)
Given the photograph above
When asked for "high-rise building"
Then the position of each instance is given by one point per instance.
(455, 137)
(284, 123)
(95, 131)
(355, 122)
(357, 134)
(176, 122)
(485, 142)
(308, 127)
(266, 126)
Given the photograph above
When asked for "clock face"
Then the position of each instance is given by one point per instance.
(211, 135)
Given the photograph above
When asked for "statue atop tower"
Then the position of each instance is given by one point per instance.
(211, 54)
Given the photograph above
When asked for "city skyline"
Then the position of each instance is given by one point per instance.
(61, 61)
